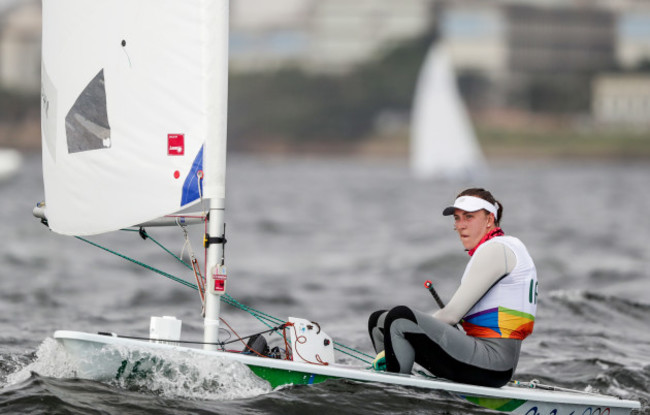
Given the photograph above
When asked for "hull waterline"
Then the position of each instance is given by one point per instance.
(103, 358)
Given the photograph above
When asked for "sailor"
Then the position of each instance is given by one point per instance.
(495, 303)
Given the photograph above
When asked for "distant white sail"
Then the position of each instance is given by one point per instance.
(10, 162)
(443, 143)
(127, 106)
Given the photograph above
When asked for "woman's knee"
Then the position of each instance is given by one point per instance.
(373, 320)
(399, 312)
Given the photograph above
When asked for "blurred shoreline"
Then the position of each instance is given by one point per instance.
(521, 141)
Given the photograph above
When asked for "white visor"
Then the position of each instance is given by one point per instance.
(471, 204)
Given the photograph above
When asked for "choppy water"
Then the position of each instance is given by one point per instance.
(333, 240)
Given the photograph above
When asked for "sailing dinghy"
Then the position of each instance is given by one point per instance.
(10, 162)
(443, 143)
(134, 96)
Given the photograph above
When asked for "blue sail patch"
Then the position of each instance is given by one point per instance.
(193, 185)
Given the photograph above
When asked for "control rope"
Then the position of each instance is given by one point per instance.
(268, 320)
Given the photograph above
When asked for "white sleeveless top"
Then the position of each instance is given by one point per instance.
(508, 309)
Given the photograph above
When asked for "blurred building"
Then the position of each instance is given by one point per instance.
(633, 40)
(527, 39)
(544, 40)
(20, 45)
(511, 43)
(320, 36)
(476, 34)
(512, 36)
(520, 48)
(622, 99)
(268, 35)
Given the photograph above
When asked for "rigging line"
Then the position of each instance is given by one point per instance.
(226, 298)
(199, 184)
(188, 266)
(142, 264)
(187, 242)
(535, 384)
(368, 362)
(103, 333)
(251, 310)
(205, 248)
(246, 346)
(300, 339)
(352, 349)
(200, 281)
(250, 335)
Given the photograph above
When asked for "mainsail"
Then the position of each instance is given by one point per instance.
(132, 109)
(134, 117)
(443, 143)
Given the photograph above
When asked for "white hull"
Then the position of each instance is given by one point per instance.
(100, 357)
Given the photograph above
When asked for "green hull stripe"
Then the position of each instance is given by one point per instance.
(498, 404)
(279, 377)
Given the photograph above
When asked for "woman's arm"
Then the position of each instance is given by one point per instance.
(489, 264)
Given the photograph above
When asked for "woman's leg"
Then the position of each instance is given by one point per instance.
(412, 336)
(376, 329)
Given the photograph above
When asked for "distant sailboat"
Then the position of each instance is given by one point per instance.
(443, 143)
(134, 132)
(10, 162)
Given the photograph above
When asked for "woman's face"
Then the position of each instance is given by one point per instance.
(472, 226)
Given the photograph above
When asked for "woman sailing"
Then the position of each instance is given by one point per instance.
(495, 303)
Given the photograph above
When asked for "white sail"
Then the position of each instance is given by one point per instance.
(10, 162)
(443, 143)
(131, 90)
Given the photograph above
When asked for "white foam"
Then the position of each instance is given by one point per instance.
(51, 360)
(571, 296)
(175, 374)
(171, 374)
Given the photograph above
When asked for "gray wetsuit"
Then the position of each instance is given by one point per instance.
(410, 336)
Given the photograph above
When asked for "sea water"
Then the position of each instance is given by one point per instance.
(331, 240)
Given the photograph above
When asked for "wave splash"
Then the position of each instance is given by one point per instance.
(169, 374)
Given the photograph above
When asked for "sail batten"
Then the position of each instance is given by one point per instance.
(127, 107)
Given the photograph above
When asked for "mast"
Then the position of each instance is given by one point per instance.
(139, 105)
(216, 273)
(214, 162)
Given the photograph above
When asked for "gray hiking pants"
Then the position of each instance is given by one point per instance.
(409, 336)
